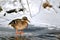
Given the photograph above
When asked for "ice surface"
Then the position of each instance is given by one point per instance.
(32, 33)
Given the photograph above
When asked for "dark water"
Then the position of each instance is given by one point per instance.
(31, 33)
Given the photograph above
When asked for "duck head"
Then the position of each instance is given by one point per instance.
(25, 19)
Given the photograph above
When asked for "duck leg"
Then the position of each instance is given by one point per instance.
(21, 32)
(17, 32)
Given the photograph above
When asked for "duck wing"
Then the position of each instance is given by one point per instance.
(13, 23)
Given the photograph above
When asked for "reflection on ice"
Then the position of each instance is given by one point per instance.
(31, 33)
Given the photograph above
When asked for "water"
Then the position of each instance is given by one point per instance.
(31, 33)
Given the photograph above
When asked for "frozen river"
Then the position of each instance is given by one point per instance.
(31, 33)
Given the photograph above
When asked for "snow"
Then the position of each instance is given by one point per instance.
(41, 19)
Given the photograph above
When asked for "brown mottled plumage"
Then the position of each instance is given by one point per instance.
(19, 24)
(47, 4)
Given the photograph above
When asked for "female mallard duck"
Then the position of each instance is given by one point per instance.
(19, 24)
